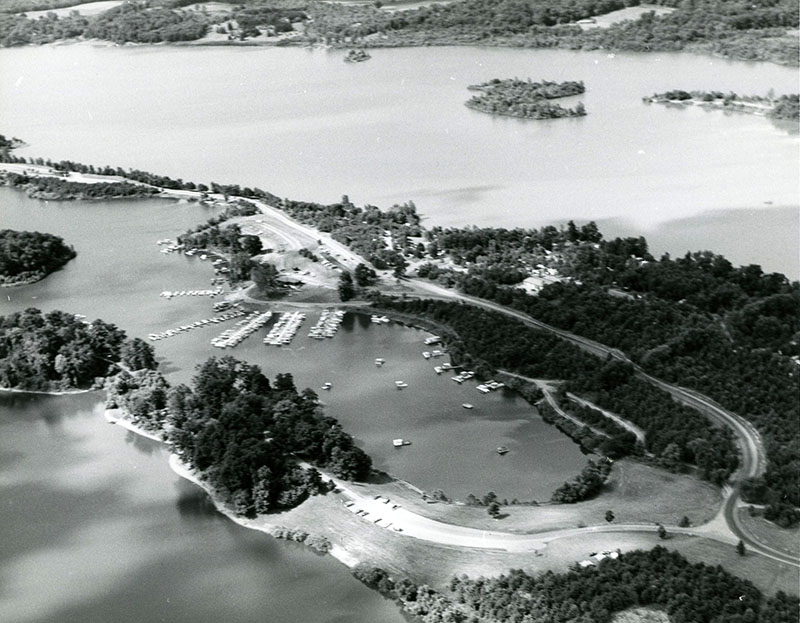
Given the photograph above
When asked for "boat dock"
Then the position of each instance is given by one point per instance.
(284, 330)
(328, 324)
(243, 329)
(212, 293)
(234, 313)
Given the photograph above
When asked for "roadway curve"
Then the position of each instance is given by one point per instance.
(753, 456)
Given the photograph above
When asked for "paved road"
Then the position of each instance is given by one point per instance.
(753, 455)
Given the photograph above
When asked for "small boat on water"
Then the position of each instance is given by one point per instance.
(501, 450)
(467, 405)
(399, 443)
(400, 384)
(379, 362)
(327, 386)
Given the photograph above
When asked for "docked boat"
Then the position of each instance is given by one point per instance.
(426, 354)
(438, 369)
(502, 450)
(434, 339)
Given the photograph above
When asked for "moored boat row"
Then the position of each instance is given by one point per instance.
(328, 324)
(243, 329)
(235, 313)
(284, 330)
(167, 294)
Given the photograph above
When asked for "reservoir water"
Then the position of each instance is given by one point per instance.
(303, 124)
(94, 525)
(53, 447)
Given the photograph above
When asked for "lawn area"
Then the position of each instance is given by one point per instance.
(426, 562)
(771, 534)
(641, 615)
(768, 575)
(636, 493)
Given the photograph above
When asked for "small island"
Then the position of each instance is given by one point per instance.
(28, 256)
(786, 107)
(357, 56)
(522, 98)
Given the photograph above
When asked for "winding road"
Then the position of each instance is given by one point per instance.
(753, 456)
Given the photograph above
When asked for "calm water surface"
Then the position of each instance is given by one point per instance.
(304, 124)
(95, 527)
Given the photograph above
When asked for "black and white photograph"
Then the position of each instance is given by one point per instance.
(399, 311)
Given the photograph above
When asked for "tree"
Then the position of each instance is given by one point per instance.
(662, 532)
(138, 355)
(740, 548)
(365, 276)
(265, 276)
(493, 510)
(346, 288)
(609, 516)
(684, 522)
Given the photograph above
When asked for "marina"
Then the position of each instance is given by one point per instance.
(285, 328)
(328, 324)
(167, 294)
(243, 329)
(235, 313)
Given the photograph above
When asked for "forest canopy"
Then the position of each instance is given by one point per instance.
(57, 351)
(27, 256)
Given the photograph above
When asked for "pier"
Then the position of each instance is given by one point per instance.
(284, 330)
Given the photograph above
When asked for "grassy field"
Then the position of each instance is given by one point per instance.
(635, 493)
(641, 615)
(433, 564)
(768, 575)
(772, 535)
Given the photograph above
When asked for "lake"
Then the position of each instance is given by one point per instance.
(301, 123)
(95, 527)
(121, 529)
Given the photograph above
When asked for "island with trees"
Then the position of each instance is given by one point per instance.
(357, 56)
(56, 188)
(28, 256)
(513, 97)
(57, 351)
(786, 107)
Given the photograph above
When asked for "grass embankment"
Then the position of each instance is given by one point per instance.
(433, 564)
(783, 539)
(636, 493)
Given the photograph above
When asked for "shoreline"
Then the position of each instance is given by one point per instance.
(64, 392)
(182, 470)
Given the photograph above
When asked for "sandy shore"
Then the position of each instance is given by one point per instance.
(66, 392)
(117, 416)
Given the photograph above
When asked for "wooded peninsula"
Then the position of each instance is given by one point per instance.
(28, 256)
(785, 107)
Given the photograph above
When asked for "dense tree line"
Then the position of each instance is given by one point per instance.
(365, 230)
(245, 433)
(585, 485)
(509, 344)
(619, 442)
(54, 188)
(31, 255)
(698, 593)
(733, 28)
(135, 22)
(55, 351)
(695, 320)
(526, 99)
